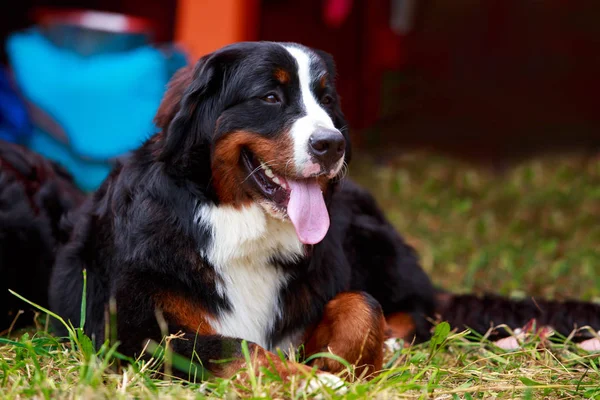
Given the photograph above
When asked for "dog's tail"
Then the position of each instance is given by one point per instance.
(490, 314)
(35, 193)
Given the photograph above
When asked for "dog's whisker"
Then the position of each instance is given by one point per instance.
(287, 164)
(251, 173)
(344, 170)
(255, 170)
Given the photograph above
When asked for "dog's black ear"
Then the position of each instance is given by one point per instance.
(338, 116)
(188, 112)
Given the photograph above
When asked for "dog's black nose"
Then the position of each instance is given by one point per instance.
(327, 146)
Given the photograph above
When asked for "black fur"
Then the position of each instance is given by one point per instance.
(225, 96)
(34, 194)
(137, 235)
(480, 313)
(137, 238)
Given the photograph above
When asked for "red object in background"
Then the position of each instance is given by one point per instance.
(97, 20)
(500, 77)
(16, 15)
(335, 12)
(503, 77)
(510, 73)
(302, 22)
(205, 26)
(88, 32)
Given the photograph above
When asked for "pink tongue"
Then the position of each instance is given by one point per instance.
(307, 210)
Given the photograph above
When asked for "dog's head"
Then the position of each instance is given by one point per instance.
(265, 118)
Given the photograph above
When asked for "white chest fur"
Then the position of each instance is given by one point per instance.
(243, 244)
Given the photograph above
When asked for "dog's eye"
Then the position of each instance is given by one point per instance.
(326, 100)
(271, 98)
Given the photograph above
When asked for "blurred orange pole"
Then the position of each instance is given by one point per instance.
(203, 26)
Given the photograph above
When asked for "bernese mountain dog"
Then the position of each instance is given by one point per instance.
(233, 223)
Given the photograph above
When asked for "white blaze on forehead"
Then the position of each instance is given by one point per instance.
(315, 116)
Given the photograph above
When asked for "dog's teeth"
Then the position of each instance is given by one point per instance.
(269, 173)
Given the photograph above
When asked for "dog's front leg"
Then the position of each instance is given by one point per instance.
(353, 328)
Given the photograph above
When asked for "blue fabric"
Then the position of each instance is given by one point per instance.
(88, 174)
(105, 103)
(14, 122)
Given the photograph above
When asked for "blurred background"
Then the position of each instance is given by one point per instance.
(476, 123)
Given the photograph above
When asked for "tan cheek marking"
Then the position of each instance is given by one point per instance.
(278, 153)
(226, 170)
(228, 176)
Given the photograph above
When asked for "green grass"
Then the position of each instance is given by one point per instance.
(533, 229)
